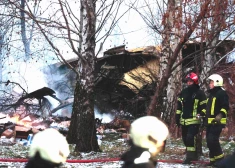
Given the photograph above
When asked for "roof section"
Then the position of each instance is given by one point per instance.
(126, 60)
(149, 50)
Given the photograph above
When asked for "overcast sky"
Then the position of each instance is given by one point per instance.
(131, 30)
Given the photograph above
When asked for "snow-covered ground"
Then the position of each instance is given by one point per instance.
(116, 164)
(113, 146)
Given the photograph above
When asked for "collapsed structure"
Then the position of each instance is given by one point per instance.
(126, 79)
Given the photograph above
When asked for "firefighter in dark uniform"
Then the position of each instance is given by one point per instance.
(191, 103)
(216, 114)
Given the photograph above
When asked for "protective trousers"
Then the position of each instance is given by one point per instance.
(212, 139)
(189, 133)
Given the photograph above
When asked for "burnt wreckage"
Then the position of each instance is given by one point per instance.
(126, 79)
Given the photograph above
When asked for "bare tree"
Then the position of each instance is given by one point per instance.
(157, 100)
(2, 37)
(183, 21)
(79, 34)
(26, 39)
(6, 23)
(169, 44)
(215, 25)
(84, 91)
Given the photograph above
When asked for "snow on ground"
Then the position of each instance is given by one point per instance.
(174, 165)
(116, 164)
(112, 146)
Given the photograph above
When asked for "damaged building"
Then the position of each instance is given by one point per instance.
(126, 79)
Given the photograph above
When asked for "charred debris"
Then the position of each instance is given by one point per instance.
(125, 79)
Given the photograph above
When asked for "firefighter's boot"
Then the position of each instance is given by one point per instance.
(190, 156)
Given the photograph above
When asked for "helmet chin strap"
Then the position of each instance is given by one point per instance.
(144, 158)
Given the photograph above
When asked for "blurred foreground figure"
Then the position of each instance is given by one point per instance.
(49, 149)
(147, 136)
(227, 162)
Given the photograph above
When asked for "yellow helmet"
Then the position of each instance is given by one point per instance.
(218, 80)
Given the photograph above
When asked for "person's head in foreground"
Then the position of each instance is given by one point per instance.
(147, 136)
(49, 149)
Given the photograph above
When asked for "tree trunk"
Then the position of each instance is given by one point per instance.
(217, 23)
(1, 54)
(165, 54)
(82, 131)
(174, 82)
(25, 40)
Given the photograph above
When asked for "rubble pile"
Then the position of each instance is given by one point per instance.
(14, 129)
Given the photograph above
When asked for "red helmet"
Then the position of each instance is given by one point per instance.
(192, 76)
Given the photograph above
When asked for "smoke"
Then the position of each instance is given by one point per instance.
(28, 76)
(67, 111)
(32, 77)
(106, 117)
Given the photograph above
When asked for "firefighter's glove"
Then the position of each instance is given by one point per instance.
(198, 116)
(217, 119)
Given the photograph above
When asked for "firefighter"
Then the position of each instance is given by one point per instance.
(191, 103)
(216, 114)
(49, 149)
(147, 136)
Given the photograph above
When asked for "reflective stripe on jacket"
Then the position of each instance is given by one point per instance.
(217, 103)
(192, 101)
